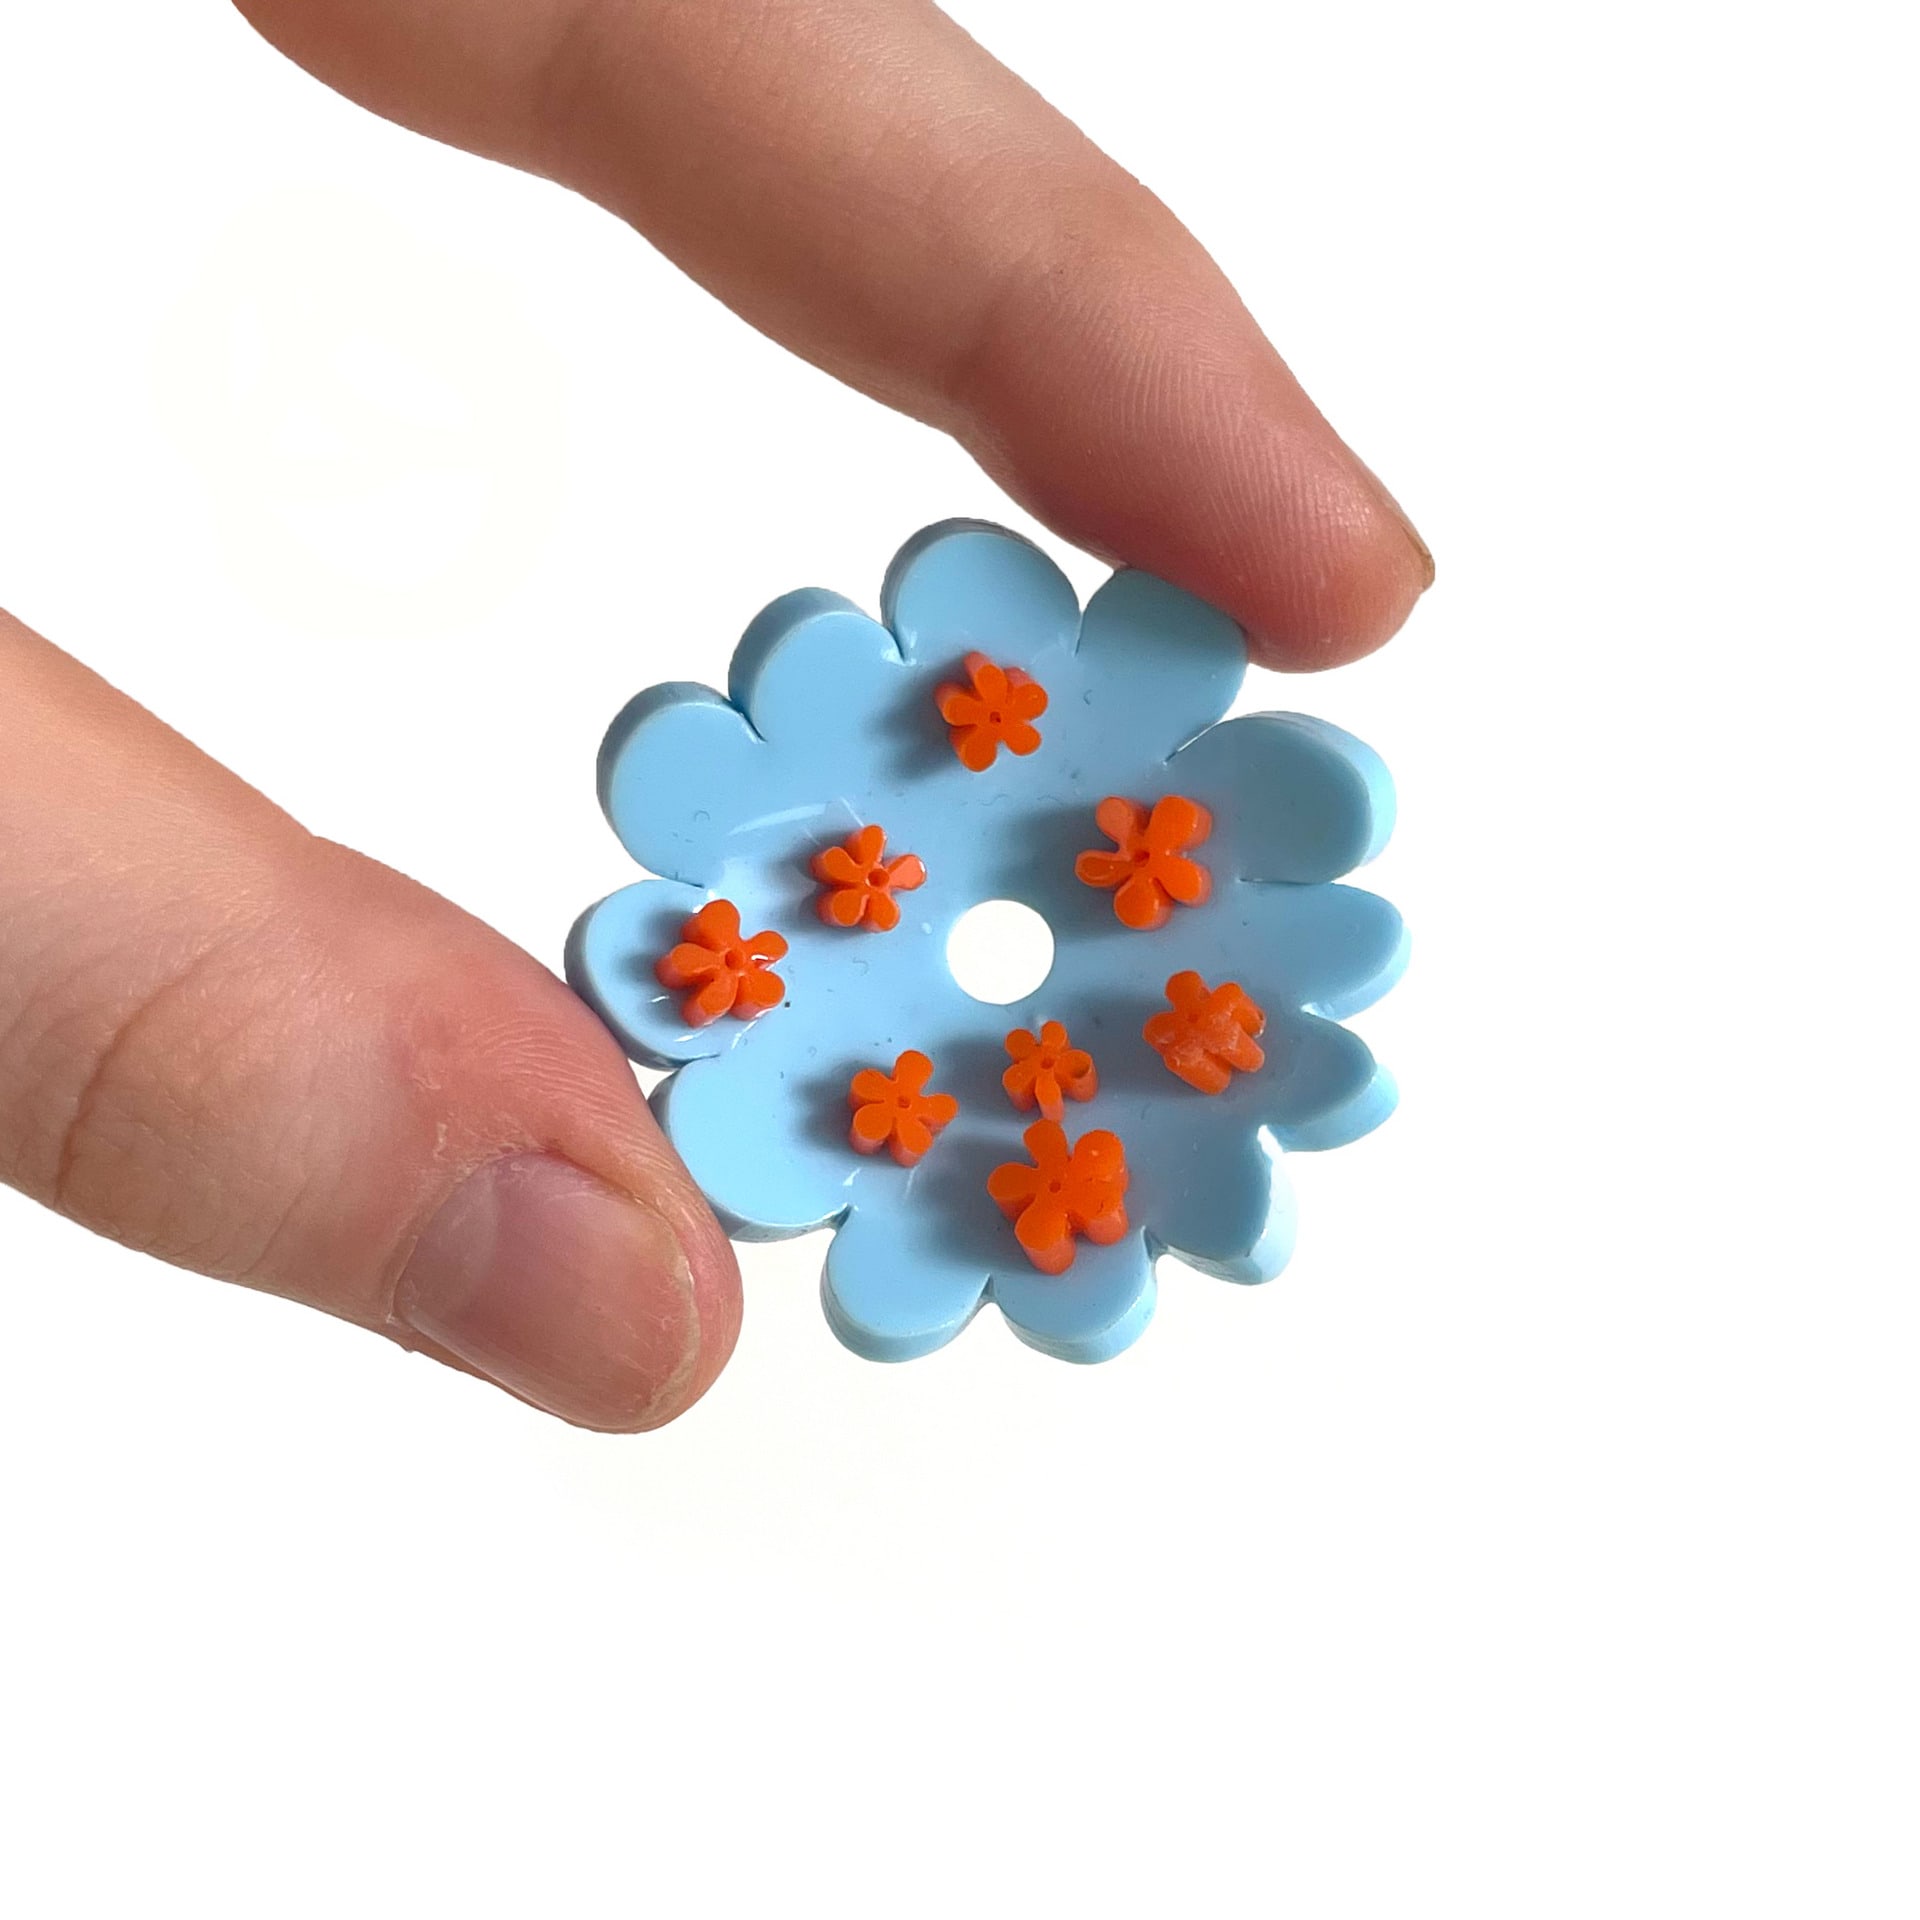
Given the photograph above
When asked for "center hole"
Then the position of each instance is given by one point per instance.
(999, 952)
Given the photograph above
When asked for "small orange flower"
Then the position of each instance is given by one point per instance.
(1067, 1191)
(1045, 1068)
(1149, 865)
(997, 711)
(861, 885)
(894, 1110)
(1208, 1034)
(728, 974)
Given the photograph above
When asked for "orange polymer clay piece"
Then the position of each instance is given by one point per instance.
(1148, 866)
(1069, 1190)
(895, 1111)
(728, 974)
(1207, 1035)
(1046, 1068)
(860, 884)
(997, 711)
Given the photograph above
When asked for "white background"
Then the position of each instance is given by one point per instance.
(1543, 1543)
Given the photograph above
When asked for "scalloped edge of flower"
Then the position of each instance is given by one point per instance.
(1264, 1259)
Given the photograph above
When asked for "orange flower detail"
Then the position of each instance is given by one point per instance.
(895, 1111)
(1067, 1191)
(997, 711)
(861, 884)
(1207, 1035)
(1045, 1067)
(728, 974)
(1149, 864)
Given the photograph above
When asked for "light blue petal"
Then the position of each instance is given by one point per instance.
(1099, 1307)
(1160, 665)
(732, 1121)
(610, 960)
(963, 586)
(1321, 1086)
(1225, 1204)
(888, 1294)
(1292, 797)
(673, 769)
(1329, 949)
(698, 787)
(814, 672)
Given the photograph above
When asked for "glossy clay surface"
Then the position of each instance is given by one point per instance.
(831, 724)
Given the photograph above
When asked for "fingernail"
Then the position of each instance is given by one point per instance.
(559, 1288)
(1405, 524)
(1419, 546)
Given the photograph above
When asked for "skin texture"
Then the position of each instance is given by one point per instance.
(264, 1057)
(257, 1054)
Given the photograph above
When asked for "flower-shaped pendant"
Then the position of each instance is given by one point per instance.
(862, 784)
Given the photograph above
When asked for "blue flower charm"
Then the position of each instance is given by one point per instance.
(986, 740)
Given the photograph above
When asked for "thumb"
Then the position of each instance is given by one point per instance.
(261, 1056)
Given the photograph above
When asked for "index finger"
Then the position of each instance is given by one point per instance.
(864, 183)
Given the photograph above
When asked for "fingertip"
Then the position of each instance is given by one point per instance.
(1338, 579)
(1147, 419)
(1311, 556)
(576, 1265)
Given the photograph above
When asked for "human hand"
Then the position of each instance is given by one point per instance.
(259, 1055)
